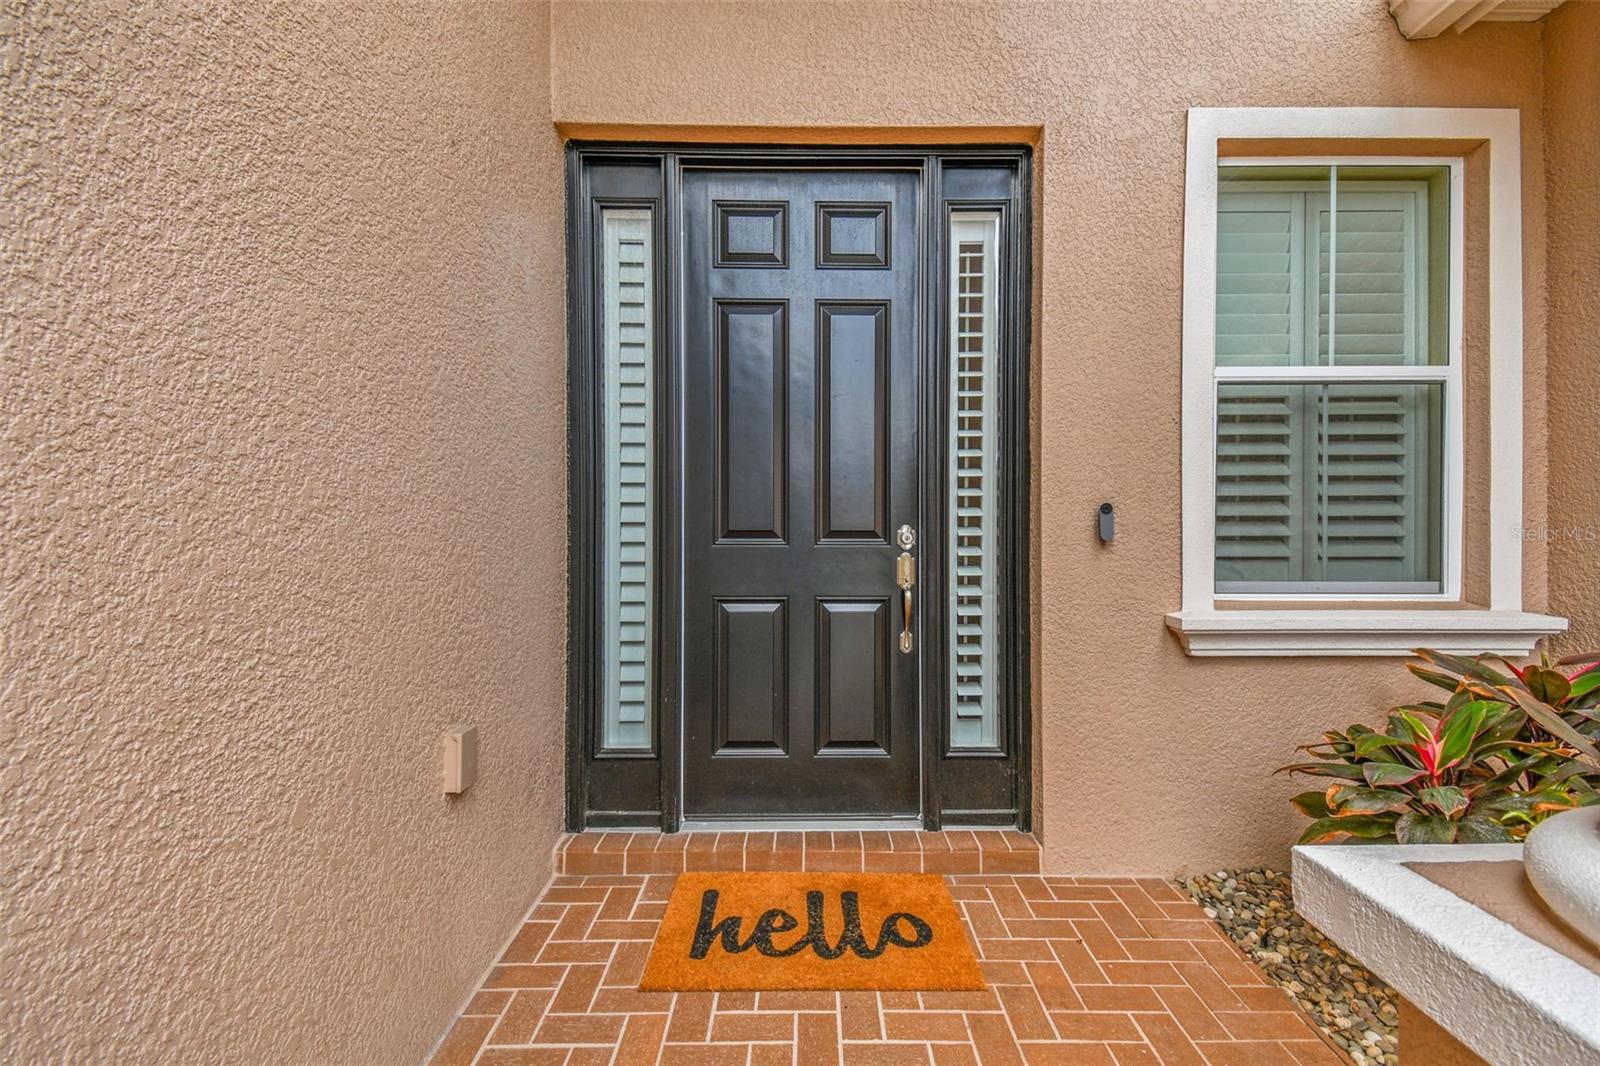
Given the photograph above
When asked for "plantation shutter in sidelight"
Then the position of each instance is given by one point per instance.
(627, 309)
(973, 501)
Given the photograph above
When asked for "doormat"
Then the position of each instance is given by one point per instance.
(734, 932)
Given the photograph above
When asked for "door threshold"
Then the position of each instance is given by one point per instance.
(908, 823)
(899, 849)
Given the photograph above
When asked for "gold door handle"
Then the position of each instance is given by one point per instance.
(905, 575)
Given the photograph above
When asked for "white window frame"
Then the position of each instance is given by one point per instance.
(1344, 627)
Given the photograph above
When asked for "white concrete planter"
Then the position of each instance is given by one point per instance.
(1562, 859)
(1508, 997)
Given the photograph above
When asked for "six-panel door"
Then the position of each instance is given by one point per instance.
(800, 462)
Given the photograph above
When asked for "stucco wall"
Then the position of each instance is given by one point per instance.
(1149, 761)
(1572, 114)
(283, 497)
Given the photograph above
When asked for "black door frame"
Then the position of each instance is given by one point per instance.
(642, 789)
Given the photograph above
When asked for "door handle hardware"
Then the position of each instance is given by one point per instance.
(905, 571)
(905, 575)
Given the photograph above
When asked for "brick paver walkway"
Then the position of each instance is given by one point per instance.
(1083, 970)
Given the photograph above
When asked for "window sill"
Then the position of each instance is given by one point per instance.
(1359, 632)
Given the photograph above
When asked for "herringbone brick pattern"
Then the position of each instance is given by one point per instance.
(1083, 970)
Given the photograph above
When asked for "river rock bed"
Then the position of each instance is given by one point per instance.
(1354, 1008)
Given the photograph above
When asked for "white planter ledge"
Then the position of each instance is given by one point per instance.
(1506, 996)
(1360, 632)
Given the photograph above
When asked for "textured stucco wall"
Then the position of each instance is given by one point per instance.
(283, 497)
(1149, 761)
(1572, 114)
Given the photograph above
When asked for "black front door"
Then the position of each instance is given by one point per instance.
(801, 325)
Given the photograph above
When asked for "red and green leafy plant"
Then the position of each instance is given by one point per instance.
(1503, 752)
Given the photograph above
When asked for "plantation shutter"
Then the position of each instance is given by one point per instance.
(1380, 314)
(626, 311)
(1322, 482)
(1373, 490)
(1261, 526)
(1261, 309)
(974, 719)
(1260, 279)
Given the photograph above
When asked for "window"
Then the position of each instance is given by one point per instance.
(1336, 379)
(973, 502)
(1322, 463)
(626, 396)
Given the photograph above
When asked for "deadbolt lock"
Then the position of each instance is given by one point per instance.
(906, 537)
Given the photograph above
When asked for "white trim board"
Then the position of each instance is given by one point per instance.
(1421, 19)
(1501, 129)
(1506, 996)
(1358, 632)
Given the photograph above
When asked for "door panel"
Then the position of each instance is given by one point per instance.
(752, 369)
(800, 458)
(852, 431)
(752, 670)
(853, 677)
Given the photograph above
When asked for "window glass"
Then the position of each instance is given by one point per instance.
(1334, 378)
(973, 485)
(1329, 487)
(627, 312)
(1332, 266)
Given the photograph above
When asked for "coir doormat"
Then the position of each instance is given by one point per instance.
(781, 931)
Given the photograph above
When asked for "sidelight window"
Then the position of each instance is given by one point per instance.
(627, 401)
(972, 500)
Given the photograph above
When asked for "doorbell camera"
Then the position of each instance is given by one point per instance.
(1108, 523)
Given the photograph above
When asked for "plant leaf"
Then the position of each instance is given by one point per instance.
(1351, 801)
(1549, 800)
(1459, 731)
(1448, 798)
(1418, 728)
(1312, 804)
(1478, 829)
(1503, 723)
(1389, 773)
(1551, 686)
(1377, 742)
(1568, 769)
(1553, 722)
(1585, 683)
(1504, 803)
(1434, 677)
(1325, 829)
(1416, 828)
(1580, 658)
(1462, 665)
(1323, 769)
